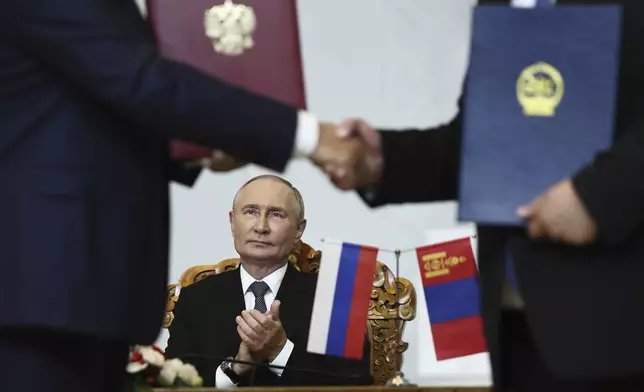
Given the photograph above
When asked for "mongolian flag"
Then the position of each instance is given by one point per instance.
(450, 283)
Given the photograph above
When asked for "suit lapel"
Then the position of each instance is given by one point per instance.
(227, 308)
(291, 285)
(293, 303)
(234, 290)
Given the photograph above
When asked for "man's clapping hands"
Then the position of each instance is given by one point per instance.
(262, 334)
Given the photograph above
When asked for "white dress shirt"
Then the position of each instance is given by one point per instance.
(274, 280)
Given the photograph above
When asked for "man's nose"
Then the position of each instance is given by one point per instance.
(261, 225)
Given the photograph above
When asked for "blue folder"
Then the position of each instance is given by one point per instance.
(540, 103)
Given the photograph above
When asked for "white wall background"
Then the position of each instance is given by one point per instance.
(397, 64)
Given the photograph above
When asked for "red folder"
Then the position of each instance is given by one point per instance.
(272, 67)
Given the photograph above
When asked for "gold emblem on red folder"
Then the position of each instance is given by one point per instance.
(230, 27)
(540, 89)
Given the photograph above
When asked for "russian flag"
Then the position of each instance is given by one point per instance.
(450, 283)
(339, 320)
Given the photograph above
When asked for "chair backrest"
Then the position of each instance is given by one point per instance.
(393, 303)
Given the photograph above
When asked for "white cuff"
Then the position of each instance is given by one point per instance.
(222, 380)
(306, 135)
(282, 357)
(524, 3)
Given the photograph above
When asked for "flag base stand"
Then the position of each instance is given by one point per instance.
(399, 380)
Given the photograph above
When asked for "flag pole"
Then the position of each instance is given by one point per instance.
(338, 242)
(397, 255)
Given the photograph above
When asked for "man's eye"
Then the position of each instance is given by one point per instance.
(250, 212)
(276, 214)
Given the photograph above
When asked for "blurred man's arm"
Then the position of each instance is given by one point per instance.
(418, 166)
(185, 175)
(603, 203)
(612, 188)
(104, 49)
(406, 166)
(187, 172)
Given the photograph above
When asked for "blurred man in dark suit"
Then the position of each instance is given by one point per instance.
(576, 323)
(87, 107)
(261, 311)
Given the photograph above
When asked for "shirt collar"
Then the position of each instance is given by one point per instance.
(273, 280)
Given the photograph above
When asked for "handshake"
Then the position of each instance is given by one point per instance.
(350, 154)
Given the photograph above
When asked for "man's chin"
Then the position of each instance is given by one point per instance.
(260, 253)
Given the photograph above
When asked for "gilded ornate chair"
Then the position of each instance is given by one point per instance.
(393, 303)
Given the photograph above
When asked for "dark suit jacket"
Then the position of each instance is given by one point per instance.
(204, 324)
(583, 305)
(87, 107)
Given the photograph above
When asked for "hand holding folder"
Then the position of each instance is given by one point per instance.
(540, 103)
(559, 214)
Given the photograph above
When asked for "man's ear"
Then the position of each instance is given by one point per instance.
(300, 229)
(230, 219)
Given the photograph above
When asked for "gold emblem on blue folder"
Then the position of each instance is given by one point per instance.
(540, 89)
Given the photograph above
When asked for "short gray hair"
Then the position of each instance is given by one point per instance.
(298, 196)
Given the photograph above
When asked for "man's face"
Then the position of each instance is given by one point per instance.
(264, 221)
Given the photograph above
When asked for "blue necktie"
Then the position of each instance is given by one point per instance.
(544, 3)
(259, 289)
